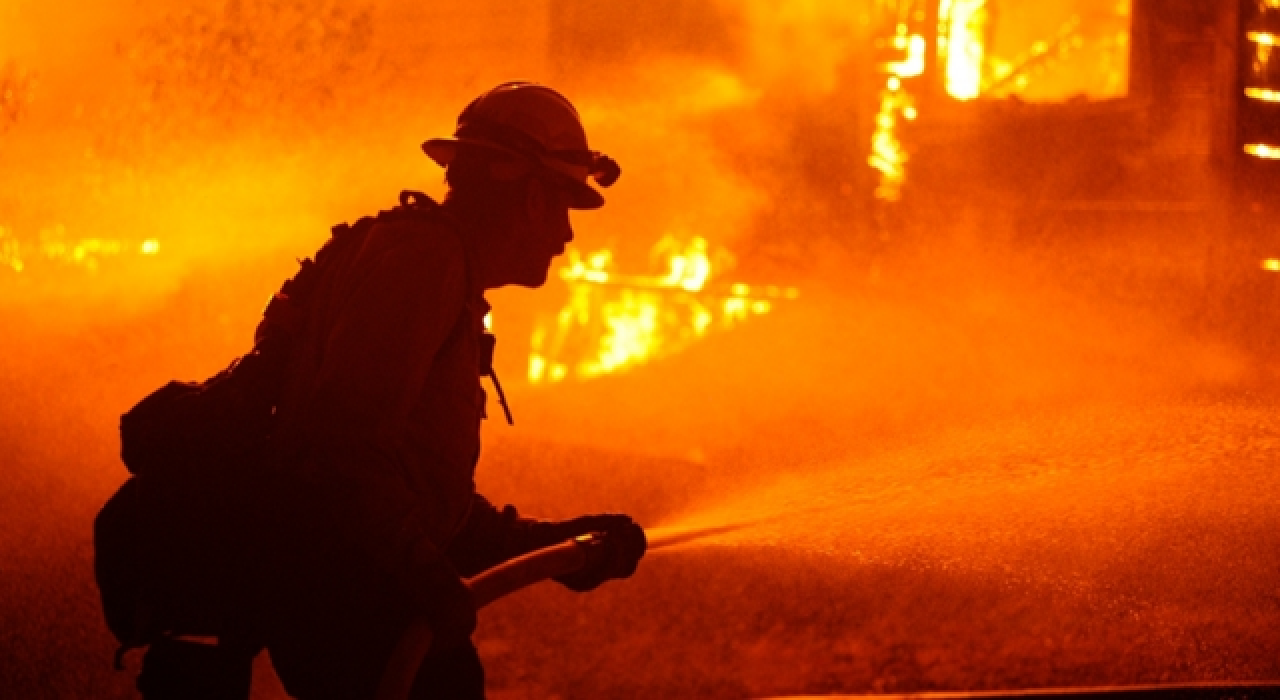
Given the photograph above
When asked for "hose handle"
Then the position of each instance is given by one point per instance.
(486, 587)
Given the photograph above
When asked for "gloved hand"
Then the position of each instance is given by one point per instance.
(613, 555)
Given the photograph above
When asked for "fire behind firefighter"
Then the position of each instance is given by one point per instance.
(367, 516)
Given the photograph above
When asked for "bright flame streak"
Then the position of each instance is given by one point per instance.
(1264, 38)
(10, 253)
(689, 270)
(887, 153)
(735, 309)
(88, 253)
(591, 270)
(1262, 94)
(1271, 264)
(944, 17)
(965, 49)
(150, 247)
(488, 321)
(913, 64)
(1262, 150)
(632, 333)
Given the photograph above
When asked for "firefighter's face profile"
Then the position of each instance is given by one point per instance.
(540, 235)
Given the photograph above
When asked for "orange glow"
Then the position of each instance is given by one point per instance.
(945, 326)
(53, 246)
(1049, 53)
(10, 252)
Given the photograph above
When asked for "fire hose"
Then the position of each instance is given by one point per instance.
(505, 579)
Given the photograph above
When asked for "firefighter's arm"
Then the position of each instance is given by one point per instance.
(491, 536)
(376, 361)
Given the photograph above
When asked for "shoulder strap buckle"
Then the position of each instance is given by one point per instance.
(412, 199)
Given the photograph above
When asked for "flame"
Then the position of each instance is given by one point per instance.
(1263, 38)
(1262, 150)
(888, 155)
(914, 45)
(51, 245)
(965, 46)
(887, 152)
(1263, 94)
(1086, 55)
(614, 321)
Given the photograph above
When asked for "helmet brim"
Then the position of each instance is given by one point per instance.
(445, 151)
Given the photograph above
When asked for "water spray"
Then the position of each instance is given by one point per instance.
(667, 537)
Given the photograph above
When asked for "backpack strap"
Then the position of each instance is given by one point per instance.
(419, 204)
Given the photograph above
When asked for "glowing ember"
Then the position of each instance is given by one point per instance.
(1262, 150)
(1263, 94)
(1264, 38)
(914, 46)
(1271, 264)
(615, 321)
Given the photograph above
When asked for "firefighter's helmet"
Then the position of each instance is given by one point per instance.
(538, 129)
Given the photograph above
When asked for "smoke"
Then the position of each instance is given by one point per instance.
(244, 128)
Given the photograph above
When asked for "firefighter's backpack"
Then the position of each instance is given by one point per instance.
(169, 544)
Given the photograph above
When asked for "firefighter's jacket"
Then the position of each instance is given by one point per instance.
(380, 420)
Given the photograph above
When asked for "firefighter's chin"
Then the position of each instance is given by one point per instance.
(534, 275)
